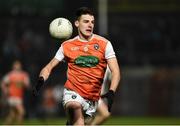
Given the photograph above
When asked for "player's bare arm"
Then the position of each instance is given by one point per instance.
(4, 89)
(115, 78)
(4, 85)
(45, 72)
(115, 71)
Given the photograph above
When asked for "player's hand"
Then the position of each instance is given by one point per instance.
(38, 86)
(110, 98)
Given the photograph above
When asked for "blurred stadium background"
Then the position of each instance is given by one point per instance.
(144, 33)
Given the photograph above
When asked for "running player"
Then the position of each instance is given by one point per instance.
(13, 87)
(87, 56)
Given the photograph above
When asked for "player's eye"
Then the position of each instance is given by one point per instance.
(85, 21)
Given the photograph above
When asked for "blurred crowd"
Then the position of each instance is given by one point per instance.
(146, 38)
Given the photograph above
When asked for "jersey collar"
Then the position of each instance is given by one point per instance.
(82, 40)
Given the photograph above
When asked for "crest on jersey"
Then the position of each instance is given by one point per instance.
(73, 96)
(96, 46)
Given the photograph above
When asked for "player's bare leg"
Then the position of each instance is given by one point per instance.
(102, 114)
(20, 114)
(11, 116)
(74, 113)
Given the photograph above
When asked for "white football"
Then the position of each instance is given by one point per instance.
(61, 28)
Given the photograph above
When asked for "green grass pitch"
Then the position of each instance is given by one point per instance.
(111, 121)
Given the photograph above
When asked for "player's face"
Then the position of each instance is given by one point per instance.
(85, 26)
(17, 65)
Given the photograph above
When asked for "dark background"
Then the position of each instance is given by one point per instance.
(145, 36)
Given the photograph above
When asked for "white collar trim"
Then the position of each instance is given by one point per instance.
(82, 40)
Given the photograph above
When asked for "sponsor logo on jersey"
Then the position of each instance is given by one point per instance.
(86, 61)
(74, 48)
(19, 84)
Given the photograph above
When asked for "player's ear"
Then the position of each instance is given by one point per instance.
(76, 23)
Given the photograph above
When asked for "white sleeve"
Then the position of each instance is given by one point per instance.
(109, 52)
(60, 54)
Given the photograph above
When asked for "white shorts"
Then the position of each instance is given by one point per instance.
(13, 101)
(89, 107)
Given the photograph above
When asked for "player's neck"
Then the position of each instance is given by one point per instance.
(85, 38)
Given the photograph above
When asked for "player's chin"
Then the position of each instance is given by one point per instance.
(88, 34)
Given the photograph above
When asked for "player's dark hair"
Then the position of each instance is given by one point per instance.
(82, 11)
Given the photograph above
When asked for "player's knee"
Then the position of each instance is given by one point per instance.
(73, 108)
(73, 105)
(21, 112)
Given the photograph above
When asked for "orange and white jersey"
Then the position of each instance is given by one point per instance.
(16, 81)
(87, 62)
